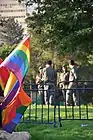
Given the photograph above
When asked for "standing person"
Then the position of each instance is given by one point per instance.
(39, 76)
(72, 94)
(64, 79)
(39, 82)
(50, 79)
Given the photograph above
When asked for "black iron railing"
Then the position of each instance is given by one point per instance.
(57, 108)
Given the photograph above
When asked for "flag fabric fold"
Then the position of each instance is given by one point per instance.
(18, 60)
(16, 100)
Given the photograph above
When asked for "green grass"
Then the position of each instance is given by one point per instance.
(75, 112)
(70, 130)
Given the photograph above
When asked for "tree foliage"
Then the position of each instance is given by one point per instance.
(39, 55)
(64, 28)
(64, 25)
(5, 50)
(11, 32)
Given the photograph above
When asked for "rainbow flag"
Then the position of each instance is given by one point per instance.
(4, 75)
(16, 100)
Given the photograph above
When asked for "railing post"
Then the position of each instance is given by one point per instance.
(54, 123)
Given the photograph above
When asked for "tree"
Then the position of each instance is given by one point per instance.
(64, 25)
(11, 32)
(66, 28)
(39, 55)
(5, 50)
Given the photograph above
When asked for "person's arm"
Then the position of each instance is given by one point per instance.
(74, 74)
(37, 79)
(45, 77)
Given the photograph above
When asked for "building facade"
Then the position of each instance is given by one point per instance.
(11, 8)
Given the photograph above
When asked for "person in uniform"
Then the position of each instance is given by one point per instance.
(64, 80)
(71, 94)
(50, 80)
(39, 82)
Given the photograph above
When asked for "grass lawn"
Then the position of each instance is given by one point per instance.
(37, 113)
(70, 130)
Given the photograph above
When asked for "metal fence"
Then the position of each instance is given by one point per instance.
(56, 108)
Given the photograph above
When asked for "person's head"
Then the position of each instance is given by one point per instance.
(71, 63)
(40, 69)
(49, 63)
(64, 68)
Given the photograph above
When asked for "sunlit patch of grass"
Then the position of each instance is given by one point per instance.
(45, 113)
